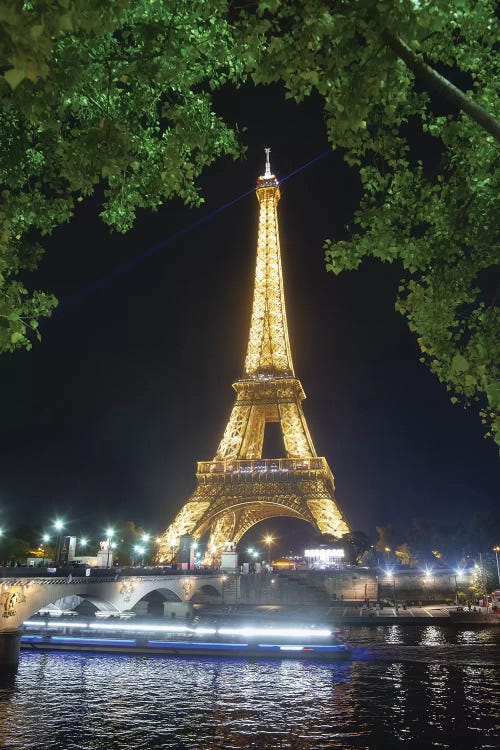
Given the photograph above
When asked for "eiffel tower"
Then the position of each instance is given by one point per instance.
(239, 488)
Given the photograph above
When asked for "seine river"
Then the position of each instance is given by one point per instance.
(406, 687)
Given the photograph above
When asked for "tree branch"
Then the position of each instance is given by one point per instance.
(442, 85)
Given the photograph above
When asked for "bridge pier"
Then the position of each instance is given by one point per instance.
(9, 648)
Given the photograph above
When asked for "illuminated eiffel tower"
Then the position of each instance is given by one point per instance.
(239, 488)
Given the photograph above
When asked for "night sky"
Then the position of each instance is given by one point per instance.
(131, 385)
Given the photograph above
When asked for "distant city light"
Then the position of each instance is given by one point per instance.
(323, 558)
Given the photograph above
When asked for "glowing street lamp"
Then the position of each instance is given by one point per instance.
(58, 526)
(390, 574)
(268, 540)
(140, 551)
(387, 552)
(109, 535)
(458, 574)
(496, 550)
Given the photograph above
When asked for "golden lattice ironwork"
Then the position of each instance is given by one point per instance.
(239, 488)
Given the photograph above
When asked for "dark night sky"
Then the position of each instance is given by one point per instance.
(131, 385)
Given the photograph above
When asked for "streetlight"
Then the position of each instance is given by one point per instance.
(496, 550)
(223, 580)
(387, 551)
(145, 539)
(45, 539)
(458, 574)
(58, 525)
(390, 574)
(140, 551)
(268, 540)
(109, 534)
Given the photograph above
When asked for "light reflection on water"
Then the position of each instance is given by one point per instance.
(416, 688)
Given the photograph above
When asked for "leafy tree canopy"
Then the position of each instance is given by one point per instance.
(384, 72)
(115, 92)
(119, 93)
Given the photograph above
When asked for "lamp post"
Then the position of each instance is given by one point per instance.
(496, 550)
(222, 581)
(390, 574)
(387, 552)
(140, 551)
(145, 540)
(58, 526)
(268, 540)
(458, 574)
(109, 534)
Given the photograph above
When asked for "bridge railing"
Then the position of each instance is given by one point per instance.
(77, 574)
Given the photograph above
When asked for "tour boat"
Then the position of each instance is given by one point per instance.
(262, 641)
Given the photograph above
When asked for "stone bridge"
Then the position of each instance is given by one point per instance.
(21, 597)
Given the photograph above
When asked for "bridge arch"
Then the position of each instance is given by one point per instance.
(206, 594)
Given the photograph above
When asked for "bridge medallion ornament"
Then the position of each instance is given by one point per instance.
(186, 588)
(238, 488)
(126, 591)
(10, 600)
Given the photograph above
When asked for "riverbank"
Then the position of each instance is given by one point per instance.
(352, 613)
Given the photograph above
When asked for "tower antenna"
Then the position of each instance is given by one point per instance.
(267, 173)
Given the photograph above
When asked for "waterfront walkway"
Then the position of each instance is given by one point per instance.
(351, 613)
(357, 615)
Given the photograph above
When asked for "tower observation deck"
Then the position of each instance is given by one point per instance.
(239, 488)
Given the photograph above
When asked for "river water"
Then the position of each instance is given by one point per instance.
(406, 687)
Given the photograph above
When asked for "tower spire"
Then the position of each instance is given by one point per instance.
(268, 351)
(267, 173)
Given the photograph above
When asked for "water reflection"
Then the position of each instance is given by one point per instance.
(394, 634)
(432, 636)
(140, 703)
